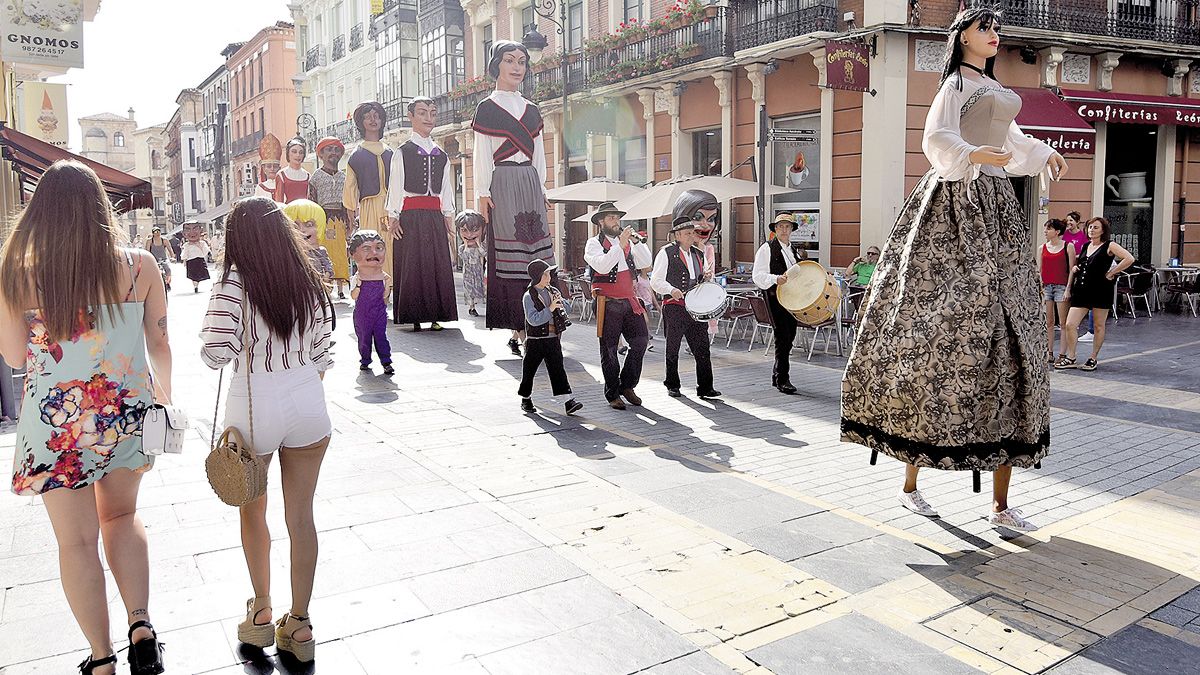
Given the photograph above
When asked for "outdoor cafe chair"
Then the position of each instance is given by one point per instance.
(1137, 284)
(1188, 290)
(761, 316)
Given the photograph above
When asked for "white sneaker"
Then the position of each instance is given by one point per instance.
(1086, 337)
(1011, 519)
(913, 501)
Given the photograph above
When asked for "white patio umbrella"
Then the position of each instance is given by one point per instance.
(593, 191)
(660, 199)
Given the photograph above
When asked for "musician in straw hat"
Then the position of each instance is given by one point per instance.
(679, 267)
(615, 255)
(771, 263)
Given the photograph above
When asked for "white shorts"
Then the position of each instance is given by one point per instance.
(289, 409)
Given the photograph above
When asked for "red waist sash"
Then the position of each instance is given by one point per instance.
(429, 203)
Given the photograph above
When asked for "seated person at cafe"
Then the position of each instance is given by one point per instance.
(861, 269)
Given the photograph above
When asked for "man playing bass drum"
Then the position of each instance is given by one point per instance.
(771, 263)
(615, 256)
(678, 268)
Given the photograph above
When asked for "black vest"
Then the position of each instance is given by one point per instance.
(558, 317)
(422, 172)
(677, 271)
(366, 171)
(611, 277)
(778, 263)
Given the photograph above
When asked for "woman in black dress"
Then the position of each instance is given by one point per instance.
(1091, 287)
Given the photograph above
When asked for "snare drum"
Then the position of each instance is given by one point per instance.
(811, 294)
(706, 301)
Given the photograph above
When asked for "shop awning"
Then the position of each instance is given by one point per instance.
(1107, 106)
(1046, 117)
(214, 213)
(32, 157)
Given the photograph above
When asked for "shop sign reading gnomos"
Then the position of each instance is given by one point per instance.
(42, 31)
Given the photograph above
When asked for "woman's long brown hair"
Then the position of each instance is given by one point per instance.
(278, 277)
(62, 255)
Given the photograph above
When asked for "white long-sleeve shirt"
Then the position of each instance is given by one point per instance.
(658, 276)
(761, 273)
(222, 339)
(603, 263)
(396, 193)
(944, 139)
(485, 146)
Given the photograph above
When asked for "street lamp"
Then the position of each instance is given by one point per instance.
(304, 121)
(535, 42)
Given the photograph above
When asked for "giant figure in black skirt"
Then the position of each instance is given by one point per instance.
(948, 370)
(510, 179)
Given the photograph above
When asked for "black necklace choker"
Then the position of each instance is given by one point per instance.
(964, 64)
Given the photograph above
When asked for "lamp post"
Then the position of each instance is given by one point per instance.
(304, 121)
(535, 42)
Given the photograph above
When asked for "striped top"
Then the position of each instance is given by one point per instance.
(222, 335)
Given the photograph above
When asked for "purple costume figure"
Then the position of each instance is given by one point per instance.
(370, 288)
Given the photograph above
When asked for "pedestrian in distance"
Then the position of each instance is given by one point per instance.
(1091, 287)
(955, 318)
(615, 255)
(160, 248)
(1056, 260)
(545, 321)
(370, 287)
(678, 268)
(1077, 236)
(195, 255)
(81, 314)
(473, 255)
(276, 393)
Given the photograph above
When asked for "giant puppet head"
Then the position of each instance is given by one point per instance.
(269, 152)
(329, 152)
(702, 207)
(309, 218)
(296, 152)
(370, 118)
(470, 226)
(422, 114)
(193, 231)
(367, 251)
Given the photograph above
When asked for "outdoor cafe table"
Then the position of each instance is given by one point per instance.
(1168, 275)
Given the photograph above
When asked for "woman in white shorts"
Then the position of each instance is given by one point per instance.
(290, 319)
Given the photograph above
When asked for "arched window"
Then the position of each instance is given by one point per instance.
(118, 140)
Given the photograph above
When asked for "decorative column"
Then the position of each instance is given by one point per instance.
(1108, 63)
(825, 227)
(551, 124)
(1051, 57)
(1179, 71)
(723, 80)
(677, 144)
(758, 93)
(646, 98)
(883, 142)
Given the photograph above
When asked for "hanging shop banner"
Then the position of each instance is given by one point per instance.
(847, 65)
(46, 32)
(376, 7)
(44, 112)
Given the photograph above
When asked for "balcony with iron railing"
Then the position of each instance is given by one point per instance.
(344, 131)
(206, 163)
(1168, 21)
(761, 22)
(356, 37)
(247, 144)
(314, 58)
(339, 47)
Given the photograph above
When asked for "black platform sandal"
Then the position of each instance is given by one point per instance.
(145, 656)
(89, 664)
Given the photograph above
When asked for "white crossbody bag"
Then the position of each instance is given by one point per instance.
(163, 428)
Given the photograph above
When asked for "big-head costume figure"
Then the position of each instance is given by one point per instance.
(367, 172)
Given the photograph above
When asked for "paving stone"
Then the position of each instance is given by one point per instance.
(747, 514)
(865, 564)
(1174, 615)
(805, 536)
(625, 643)
(490, 579)
(696, 663)
(854, 643)
(1134, 651)
(1189, 601)
(577, 602)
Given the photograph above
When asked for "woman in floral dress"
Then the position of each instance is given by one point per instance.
(80, 314)
(949, 370)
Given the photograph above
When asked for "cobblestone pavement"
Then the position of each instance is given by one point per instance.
(739, 535)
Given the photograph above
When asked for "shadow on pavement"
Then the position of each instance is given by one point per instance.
(447, 347)
(729, 419)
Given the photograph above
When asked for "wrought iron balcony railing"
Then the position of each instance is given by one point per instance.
(761, 22)
(1170, 21)
(356, 37)
(339, 47)
(247, 143)
(314, 58)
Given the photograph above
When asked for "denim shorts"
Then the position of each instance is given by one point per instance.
(1054, 292)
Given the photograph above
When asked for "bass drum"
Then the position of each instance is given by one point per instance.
(707, 300)
(811, 294)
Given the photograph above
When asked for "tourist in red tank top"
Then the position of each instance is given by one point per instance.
(1057, 259)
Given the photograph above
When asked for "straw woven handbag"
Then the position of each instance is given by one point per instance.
(235, 472)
